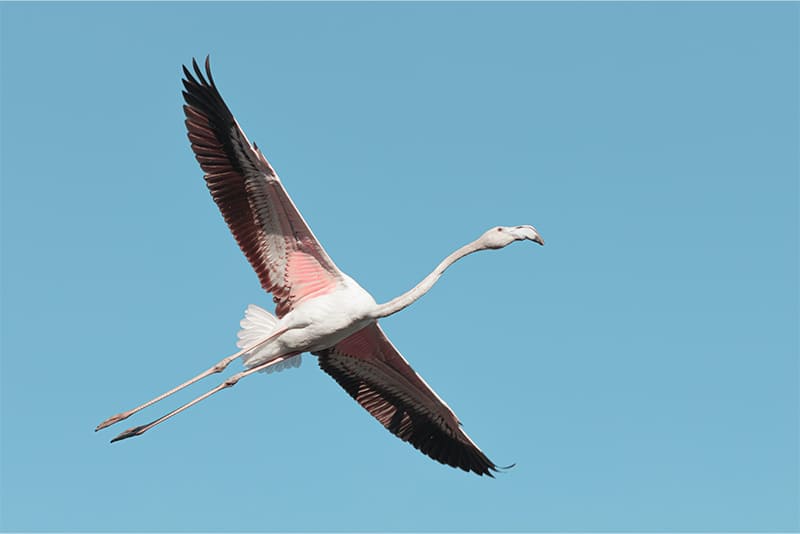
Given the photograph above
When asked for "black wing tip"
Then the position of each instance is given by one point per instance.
(208, 71)
(198, 77)
(460, 455)
(501, 469)
(489, 469)
(201, 94)
(484, 466)
(198, 72)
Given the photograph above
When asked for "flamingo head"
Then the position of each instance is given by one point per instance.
(501, 236)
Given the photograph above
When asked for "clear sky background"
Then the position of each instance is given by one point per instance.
(641, 369)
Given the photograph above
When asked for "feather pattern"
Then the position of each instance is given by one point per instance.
(288, 259)
(376, 375)
(257, 324)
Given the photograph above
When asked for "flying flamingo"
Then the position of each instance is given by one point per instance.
(319, 308)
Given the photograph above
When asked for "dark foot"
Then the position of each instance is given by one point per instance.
(131, 432)
(112, 420)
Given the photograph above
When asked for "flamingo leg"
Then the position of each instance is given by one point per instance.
(217, 368)
(229, 382)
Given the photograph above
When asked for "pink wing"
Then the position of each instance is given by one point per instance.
(288, 259)
(376, 375)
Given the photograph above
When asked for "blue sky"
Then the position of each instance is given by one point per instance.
(641, 369)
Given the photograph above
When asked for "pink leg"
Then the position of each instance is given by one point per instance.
(139, 430)
(218, 368)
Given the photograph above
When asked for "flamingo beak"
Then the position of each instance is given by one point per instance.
(529, 232)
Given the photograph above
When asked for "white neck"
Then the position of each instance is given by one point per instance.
(409, 297)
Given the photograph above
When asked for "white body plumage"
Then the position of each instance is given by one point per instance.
(314, 325)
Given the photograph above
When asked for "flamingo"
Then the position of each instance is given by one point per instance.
(319, 309)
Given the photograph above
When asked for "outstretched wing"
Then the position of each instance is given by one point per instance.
(376, 375)
(288, 259)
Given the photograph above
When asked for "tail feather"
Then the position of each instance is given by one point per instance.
(256, 325)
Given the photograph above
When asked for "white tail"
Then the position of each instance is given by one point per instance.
(257, 324)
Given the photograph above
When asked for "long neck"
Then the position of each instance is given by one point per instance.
(411, 296)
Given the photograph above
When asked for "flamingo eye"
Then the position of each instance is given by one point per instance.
(499, 229)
